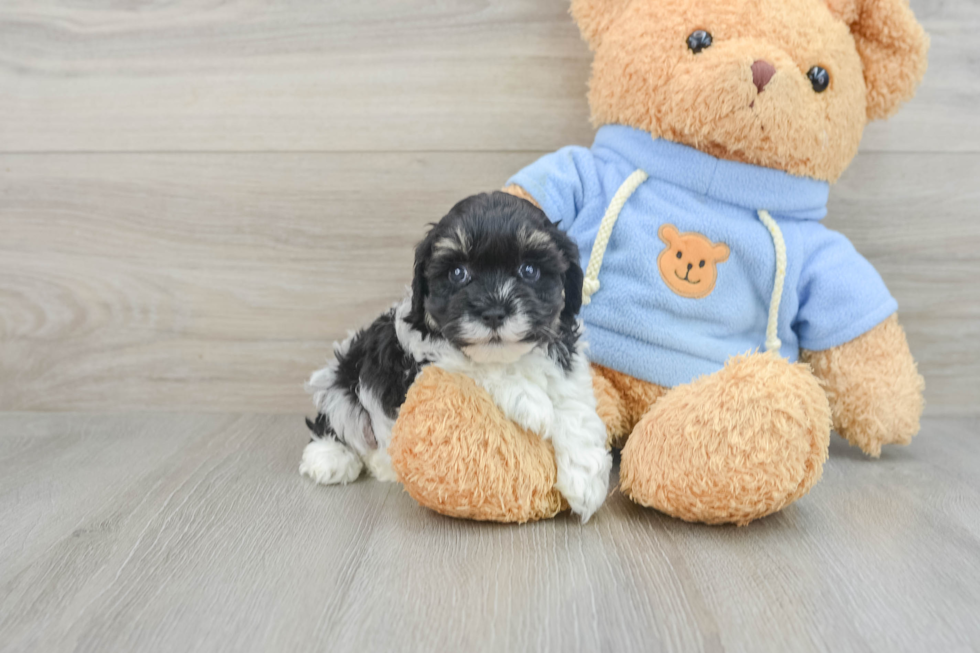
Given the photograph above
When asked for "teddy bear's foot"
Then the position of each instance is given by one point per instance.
(731, 447)
(874, 388)
(456, 453)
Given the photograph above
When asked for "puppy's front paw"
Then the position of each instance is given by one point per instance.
(531, 411)
(329, 462)
(583, 479)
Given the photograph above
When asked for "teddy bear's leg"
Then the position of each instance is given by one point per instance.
(457, 454)
(874, 389)
(733, 446)
(621, 401)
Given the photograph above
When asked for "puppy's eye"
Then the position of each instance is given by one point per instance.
(699, 40)
(459, 275)
(820, 78)
(680, 255)
(529, 272)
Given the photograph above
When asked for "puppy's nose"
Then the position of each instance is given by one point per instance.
(762, 73)
(493, 317)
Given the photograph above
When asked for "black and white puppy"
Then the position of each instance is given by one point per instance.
(495, 296)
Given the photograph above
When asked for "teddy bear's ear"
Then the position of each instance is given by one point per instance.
(721, 252)
(668, 233)
(594, 17)
(892, 45)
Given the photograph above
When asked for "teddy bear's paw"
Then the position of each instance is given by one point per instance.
(874, 388)
(731, 447)
(457, 454)
(329, 462)
(583, 479)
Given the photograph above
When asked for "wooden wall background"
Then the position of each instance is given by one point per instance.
(197, 196)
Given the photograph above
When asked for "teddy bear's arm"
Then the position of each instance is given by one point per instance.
(517, 191)
(874, 389)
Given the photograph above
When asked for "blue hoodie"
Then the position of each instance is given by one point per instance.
(668, 321)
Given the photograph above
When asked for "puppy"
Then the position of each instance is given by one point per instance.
(495, 296)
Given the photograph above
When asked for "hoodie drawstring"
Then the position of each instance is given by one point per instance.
(591, 284)
(633, 182)
(773, 343)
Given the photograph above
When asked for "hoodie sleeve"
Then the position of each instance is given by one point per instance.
(841, 295)
(561, 182)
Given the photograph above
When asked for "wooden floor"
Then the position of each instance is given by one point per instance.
(198, 196)
(196, 533)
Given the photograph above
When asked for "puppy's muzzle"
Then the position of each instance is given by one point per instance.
(493, 317)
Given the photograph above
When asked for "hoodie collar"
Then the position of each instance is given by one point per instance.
(742, 184)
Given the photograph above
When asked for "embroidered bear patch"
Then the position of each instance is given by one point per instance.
(689, 263)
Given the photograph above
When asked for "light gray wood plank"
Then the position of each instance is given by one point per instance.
(217, 282)
(212, 542)
(221, 527)
(49, 485)
(917, 219)
(310, 75)
(383, 75)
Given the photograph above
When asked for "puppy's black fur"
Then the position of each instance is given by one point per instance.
(496, 238)
(376, 359)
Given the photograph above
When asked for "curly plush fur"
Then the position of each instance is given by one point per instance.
(645, 76)
(730, 447)
(622, 401)
(458, 455)
(874, 388)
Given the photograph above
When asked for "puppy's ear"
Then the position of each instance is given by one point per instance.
(574, 277)
(420, 287)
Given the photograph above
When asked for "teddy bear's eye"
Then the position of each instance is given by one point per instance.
(701, 264)
(680, 255)
(820, 78)
(699, 40)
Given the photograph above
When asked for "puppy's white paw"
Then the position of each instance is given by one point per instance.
(534, 413)
(583, 479)
(379, 464)
(329, 462)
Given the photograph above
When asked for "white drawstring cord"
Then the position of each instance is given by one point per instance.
(773, 343)
(591, 284)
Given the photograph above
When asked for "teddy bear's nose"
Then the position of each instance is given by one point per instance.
(762, 72)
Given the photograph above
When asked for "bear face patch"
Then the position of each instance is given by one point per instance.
(689, 263)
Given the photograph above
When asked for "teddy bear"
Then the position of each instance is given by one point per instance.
(729, 330)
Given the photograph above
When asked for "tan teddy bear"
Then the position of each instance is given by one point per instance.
(709, 274)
